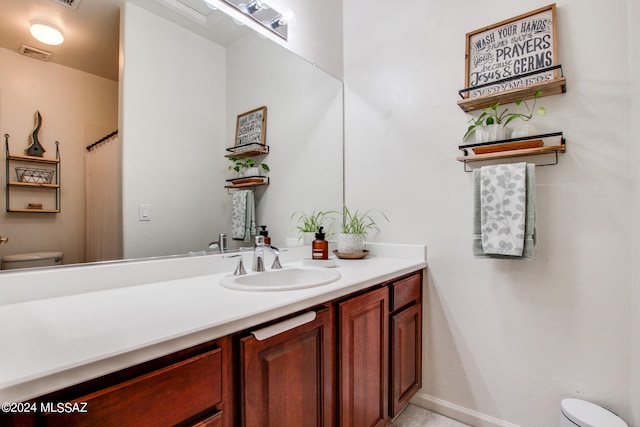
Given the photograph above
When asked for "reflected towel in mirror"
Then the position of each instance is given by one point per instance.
(243, 215)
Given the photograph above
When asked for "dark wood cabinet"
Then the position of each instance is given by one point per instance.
(363, 356)
(406, 341)
(186, 388)
(287, 380)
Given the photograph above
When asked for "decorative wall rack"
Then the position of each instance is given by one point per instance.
(503, 149)
(247, 150)
(32, 182)
(548, 87)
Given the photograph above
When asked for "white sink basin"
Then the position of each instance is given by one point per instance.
(282, 280)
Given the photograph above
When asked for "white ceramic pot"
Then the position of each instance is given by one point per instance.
(524, 130)
(252, 171)
(350, 243)
(490, 133)
(308, 237)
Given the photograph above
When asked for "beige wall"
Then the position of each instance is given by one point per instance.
(77, 108)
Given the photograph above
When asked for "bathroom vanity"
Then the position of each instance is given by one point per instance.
(189, 352)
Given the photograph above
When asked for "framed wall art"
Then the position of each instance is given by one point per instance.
(512, 54)
(251, 130)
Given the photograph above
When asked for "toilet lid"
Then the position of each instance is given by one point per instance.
(33, 256)
(587, 414)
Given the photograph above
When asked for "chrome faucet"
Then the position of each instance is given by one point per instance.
(221, 243)
(258, 255)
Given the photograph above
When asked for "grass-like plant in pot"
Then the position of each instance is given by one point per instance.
(308, 224)
(491, 124)
(355, 226)
(247, 167)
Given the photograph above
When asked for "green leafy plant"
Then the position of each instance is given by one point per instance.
(308, 223)
(359, 223)
(245, 164)
(491, 115)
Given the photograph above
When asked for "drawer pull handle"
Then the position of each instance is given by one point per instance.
(278, 328)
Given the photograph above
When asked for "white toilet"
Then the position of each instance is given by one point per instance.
(576, 412)
(33, 259)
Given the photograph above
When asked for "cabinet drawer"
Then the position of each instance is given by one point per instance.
(163, 397)
(212, 421)
(405, 291)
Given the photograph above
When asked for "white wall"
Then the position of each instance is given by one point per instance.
(172, 128)
(503, 339)
(315, 32)
(304, 130)
(77, 108)
(634, 138)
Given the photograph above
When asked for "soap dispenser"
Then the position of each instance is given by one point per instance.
(320, 247)
(265, 233)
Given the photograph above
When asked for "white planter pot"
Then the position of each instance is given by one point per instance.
(350, 243)
(253, 171)
(490, 133)
(308, 237)
(524, 130)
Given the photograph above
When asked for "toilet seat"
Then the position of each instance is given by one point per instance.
(587, 414)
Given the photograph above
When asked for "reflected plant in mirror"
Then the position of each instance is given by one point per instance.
(247, 167)
(309, 223)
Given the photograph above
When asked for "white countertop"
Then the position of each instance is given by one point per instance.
(90, 329)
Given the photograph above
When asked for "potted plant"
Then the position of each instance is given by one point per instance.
(308, 224)
(247, 167)
(491, 125)
(355, 226)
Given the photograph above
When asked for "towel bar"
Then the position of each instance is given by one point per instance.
(555, 149)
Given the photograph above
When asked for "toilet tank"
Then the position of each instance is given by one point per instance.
(29, 260)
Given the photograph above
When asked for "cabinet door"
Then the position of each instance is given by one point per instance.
(406, 356)
(288, 379)
(364, 367)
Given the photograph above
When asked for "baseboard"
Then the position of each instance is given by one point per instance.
(457, 412)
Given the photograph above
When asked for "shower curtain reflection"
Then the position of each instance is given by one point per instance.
(103, 198)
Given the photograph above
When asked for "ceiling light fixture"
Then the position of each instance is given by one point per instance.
(46, 33)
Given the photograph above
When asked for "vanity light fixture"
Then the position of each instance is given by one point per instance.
(254, 6)
(46, 33)
(261, 12)
(281, 19)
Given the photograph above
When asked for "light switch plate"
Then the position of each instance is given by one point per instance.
(144, 212)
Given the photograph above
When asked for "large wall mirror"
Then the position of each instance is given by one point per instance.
(179, 96)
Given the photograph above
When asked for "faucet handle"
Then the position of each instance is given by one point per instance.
(3, 239)
(276, 263)
(240, 271)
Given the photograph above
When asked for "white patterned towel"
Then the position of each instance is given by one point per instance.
(239, 214)
(503, 208)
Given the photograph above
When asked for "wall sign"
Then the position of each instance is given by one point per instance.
(251, 129)
(515, 47)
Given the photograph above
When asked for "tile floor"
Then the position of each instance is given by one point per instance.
(415, 416)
